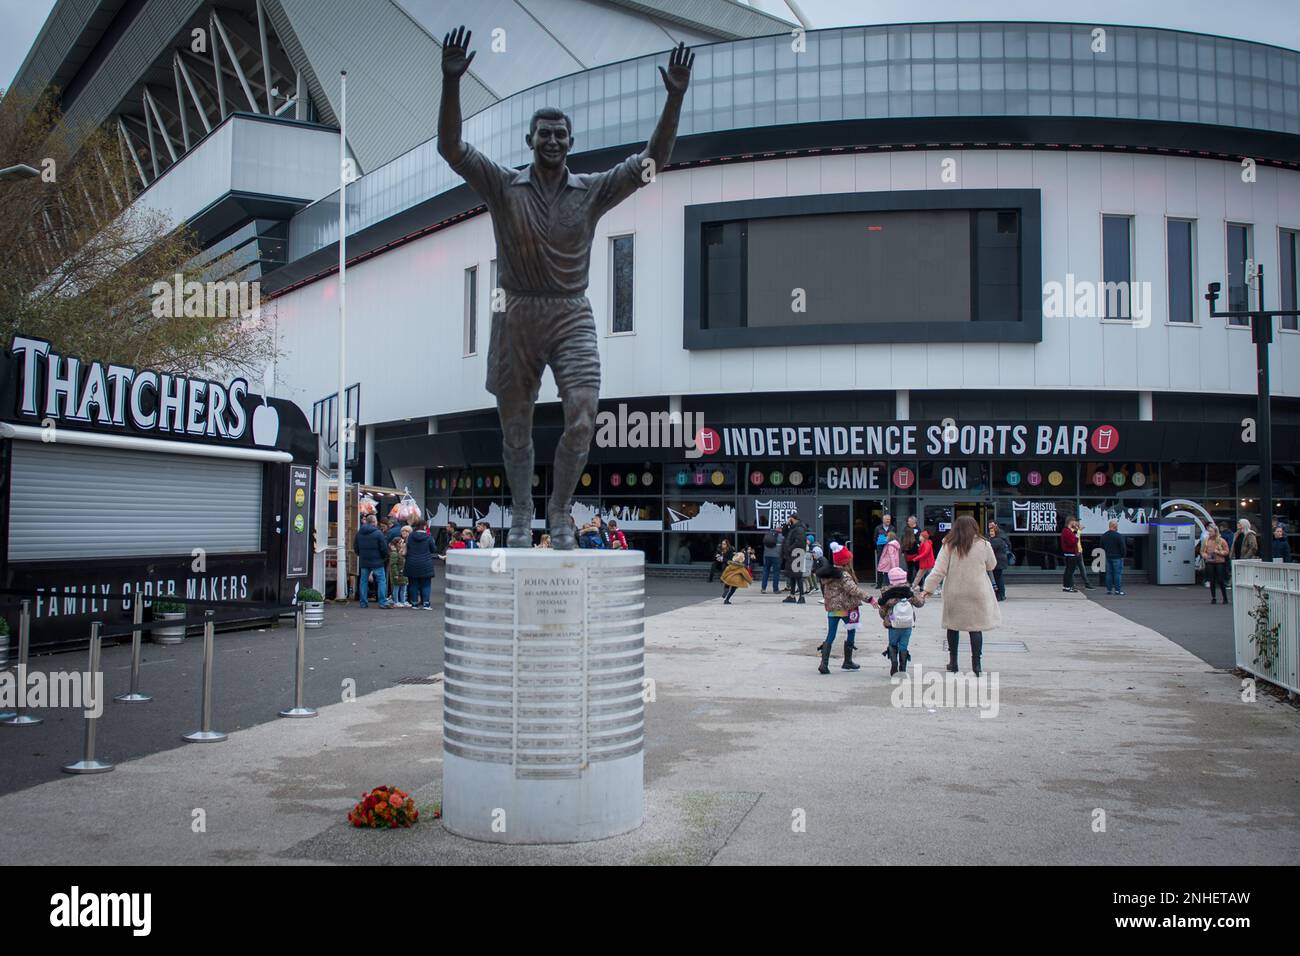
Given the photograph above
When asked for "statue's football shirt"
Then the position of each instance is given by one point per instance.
(544, 244)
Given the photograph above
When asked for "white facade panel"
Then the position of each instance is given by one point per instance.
(251, 156)
(406, 306)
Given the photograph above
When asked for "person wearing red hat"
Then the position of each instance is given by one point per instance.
(842, 595)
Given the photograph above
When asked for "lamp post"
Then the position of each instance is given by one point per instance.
(1261, 333)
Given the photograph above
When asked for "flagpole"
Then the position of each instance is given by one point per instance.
(341, 559)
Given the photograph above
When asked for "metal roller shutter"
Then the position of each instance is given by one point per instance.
(68, 501)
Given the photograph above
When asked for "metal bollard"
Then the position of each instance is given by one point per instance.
(20, 719)
(205, 734)
(298, 710)
(88, 763)
(137, 616)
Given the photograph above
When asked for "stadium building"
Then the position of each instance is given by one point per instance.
(922, 268)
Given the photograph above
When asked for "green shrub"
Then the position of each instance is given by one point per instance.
(310, 596)
(162, 605)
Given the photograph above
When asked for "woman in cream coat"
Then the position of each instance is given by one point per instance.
(969, 603)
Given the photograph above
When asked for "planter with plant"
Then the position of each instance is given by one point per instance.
(1264, 637)
(168, 610)
(313, 607)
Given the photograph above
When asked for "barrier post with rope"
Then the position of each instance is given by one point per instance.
(88, 762)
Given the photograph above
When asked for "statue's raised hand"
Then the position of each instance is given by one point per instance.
(678, 75)
(456, 57)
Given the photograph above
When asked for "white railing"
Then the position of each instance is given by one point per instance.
(1281, 584)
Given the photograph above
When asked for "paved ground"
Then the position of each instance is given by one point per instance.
(1181, 613)
(1096, 714)
(252, 680)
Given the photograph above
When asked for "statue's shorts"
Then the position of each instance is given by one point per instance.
(536, 331)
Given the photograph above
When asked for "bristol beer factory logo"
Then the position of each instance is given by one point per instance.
(60, 388)
(906, 440)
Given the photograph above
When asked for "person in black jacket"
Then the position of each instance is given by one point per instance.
(1281, 547)
(1002, 554)
(796, 540)
(419, 564)
(1112, 542)
(372, 558)
(910, 544)
(445, 537)
(602, 530)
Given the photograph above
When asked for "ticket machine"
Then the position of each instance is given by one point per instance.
(1173, 550)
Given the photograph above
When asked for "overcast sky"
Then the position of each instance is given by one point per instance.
(1268, 21)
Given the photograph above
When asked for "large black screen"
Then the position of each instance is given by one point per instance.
(860, 267)
(934, 265)
(855, 268)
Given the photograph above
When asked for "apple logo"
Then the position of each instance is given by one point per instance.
(266, 425)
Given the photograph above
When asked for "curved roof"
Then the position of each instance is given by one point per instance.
(1035, 79)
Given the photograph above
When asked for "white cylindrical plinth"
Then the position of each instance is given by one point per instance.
(543, 715)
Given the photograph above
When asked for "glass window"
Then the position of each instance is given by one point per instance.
(1238, 237)
(1121, 479)
(1288, 247)
(1178, 252)
(1248, 480)
(922, 43)
(968, 42)
(693, 478)
(1183, 480)
(1219, 480)
(991, 43)
(620, 312)
(1286, 481)
(471, 310)
(945, 44)
(1117, 265)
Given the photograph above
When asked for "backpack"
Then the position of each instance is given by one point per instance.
(902, 614)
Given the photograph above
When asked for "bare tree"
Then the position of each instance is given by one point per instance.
(79, 259)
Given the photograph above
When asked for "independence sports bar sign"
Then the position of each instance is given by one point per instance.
(1155, 441)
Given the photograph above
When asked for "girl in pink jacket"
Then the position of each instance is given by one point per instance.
(890, 558)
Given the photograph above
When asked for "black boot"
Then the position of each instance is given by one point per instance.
(893, 660)
(952, 652)
(903, 658)
(848, 664)
(825, 667)
(976, 651)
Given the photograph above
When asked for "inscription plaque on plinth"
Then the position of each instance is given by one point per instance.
(543, 716)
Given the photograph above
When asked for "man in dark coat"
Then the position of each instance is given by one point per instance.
(445, 537)
(372, 558)
(796, 540)
(1112, 542)
(420, 564)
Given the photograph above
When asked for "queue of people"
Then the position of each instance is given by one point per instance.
(399, 556)
(1220, 545)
